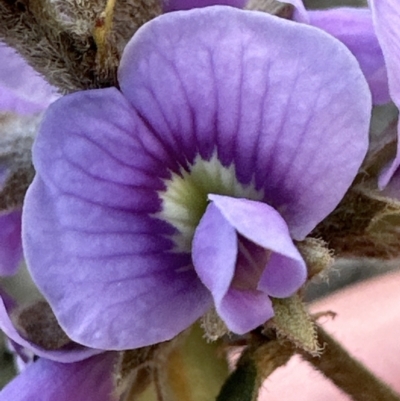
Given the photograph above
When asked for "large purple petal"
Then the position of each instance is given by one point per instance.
(214, 252)
(299, 132)
(354, 28)
(92, 243)
(10, 242)
(286, 271)
(386, 17)
(44, 380)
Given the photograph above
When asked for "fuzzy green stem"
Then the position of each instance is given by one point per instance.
(347, 373)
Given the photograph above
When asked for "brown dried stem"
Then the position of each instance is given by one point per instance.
(347, 373)
(64, 60)
(57, 38)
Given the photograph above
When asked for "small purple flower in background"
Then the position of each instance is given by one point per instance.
(187, 187)
(23, 92)
(373, 36)
(354, 27)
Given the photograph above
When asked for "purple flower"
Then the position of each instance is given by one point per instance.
(186, 187)
(22, 90)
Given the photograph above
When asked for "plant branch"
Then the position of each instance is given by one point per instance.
(256, 363)
(65, 60)
(57, 37)
(347, 373)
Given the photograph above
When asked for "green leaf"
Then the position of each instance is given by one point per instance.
(196, 370)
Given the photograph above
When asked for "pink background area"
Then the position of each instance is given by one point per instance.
(367, 324)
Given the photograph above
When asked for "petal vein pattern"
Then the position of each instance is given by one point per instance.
(213, 101)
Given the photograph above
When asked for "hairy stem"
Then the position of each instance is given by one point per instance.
(256, 363)
(65, 56)
(57, 37)
(347, 373)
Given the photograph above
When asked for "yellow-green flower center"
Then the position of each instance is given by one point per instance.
(185, 199)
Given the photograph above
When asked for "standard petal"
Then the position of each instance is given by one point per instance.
(285, 271)
(174, 5)
(10, 242)
(354, 28)
(299, 133)
(243, 311)
(214, 252)
(44, 380)
(93, 245)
